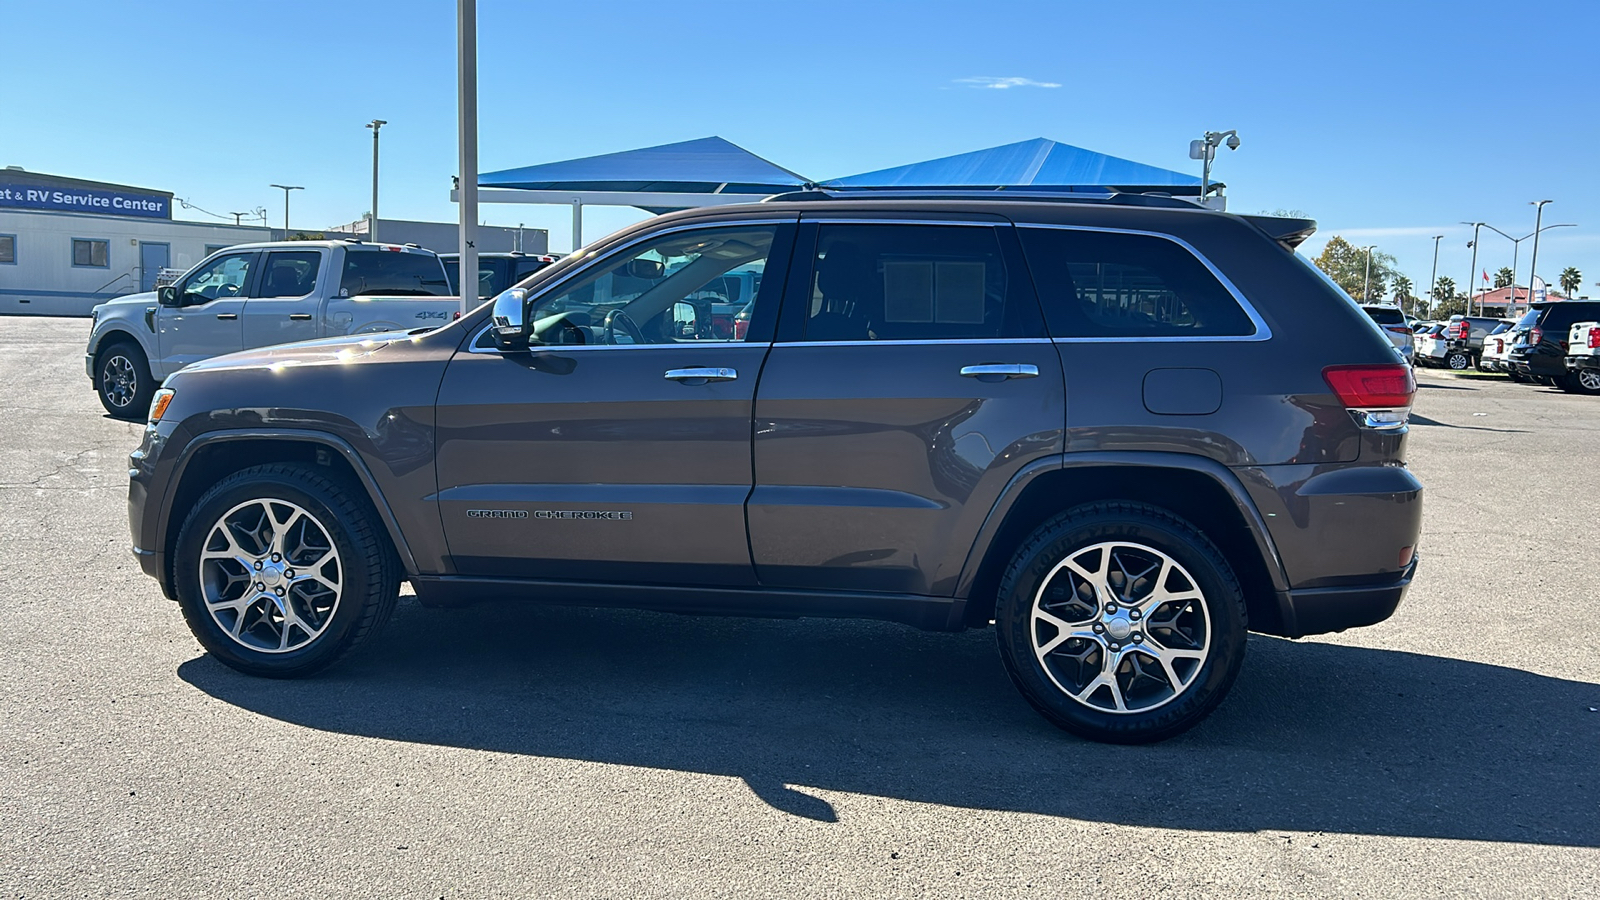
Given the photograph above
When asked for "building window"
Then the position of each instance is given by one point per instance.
(91, 253)
(213, 248)
(8, 249)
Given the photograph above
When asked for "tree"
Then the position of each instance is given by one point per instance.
(1503, 277)
(1402, 293)
(1444, 290)
(1346, 264)
(1571, 280)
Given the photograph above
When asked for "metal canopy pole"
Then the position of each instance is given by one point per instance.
(372, 220)
(577, 224)
(467, 102)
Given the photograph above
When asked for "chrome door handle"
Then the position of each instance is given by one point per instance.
(227, 315)
(300, 317)
(1006, 370)
(701, 374)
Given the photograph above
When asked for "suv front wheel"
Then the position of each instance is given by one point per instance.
(1121, 622)
(281, 571)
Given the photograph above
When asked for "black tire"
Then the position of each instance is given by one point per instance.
(1573, 382)
(366, 568)
(1458, 361)
(1516, 376)
(1073, 534)
(1545, 380)
(123, 382)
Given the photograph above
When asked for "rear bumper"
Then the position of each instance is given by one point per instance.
(1321, 610)
(1583, 362)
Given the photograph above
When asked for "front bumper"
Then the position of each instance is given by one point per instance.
(88, 365)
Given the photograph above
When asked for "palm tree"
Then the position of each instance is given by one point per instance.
(1444, 289)
(1571, 280)
(1503, 277)
(1402, 290)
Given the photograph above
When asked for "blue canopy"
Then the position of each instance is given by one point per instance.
(1039, 164)
(704, 166)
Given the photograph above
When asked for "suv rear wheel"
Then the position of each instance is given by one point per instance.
(1121, 622)
(281, 571)
(1458, 360)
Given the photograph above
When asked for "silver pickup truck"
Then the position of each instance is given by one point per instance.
(255, 295)
(1583, 358)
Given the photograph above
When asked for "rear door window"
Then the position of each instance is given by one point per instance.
(1103, 284)
(911, 282)
(395, 272)
(290, 273)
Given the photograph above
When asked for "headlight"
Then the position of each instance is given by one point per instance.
(158, 405)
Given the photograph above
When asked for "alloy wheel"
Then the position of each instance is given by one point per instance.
(1120, 627)
(1589, 379)
(270, 575)
(119, 380)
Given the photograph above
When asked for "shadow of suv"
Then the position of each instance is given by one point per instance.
(1122, 430)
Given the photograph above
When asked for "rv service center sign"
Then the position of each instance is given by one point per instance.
(89, 200)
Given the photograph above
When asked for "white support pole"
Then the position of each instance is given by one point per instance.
(577, 224)
(467, 103)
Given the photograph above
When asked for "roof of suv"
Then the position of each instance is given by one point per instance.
(328, 245)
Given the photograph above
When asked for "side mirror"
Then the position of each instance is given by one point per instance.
(167, 296)
(685, 319)
(508, 325)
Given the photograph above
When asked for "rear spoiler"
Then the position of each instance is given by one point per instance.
(1291, 233)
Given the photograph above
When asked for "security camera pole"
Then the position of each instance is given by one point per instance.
(1206, 149)
(467, 185)
(372, 221)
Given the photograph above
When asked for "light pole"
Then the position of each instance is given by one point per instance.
(286, 188)
(1433, 281)
(1533, 265)
(236, 216)
(372, 220)
(1516, 245)
(1366, 280)
(1472, 277)
(1206, 149)
(467, 185)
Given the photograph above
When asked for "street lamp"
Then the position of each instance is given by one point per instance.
(286, 188)
(1433, 281)
(372, 220)
(1206, 149)
(237, 216)
(1516, 245)
(1366, 281)
(1533, 265)
(1472, 277)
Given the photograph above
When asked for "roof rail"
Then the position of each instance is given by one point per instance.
(1117, 198)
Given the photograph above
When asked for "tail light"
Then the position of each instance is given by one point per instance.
(1594, 339)
(1378, 396)
(1536, 336)
(1465, 329)
(1499, 345)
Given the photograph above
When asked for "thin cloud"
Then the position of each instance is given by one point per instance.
(1000, 84)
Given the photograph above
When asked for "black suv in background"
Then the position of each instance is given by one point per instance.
(1542, 354)
(1122, 431)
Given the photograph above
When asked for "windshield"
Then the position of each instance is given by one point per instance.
(394, 272)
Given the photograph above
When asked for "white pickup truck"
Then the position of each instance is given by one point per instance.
(253, 295)
(1583, 357)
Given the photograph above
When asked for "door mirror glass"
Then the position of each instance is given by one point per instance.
(508, 324)
(167, 296)
(685, 320)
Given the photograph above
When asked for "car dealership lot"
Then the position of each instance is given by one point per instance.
(525, 750)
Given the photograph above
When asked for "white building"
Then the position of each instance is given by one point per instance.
(68, 244)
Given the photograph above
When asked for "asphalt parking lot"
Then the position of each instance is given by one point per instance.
(511, 750)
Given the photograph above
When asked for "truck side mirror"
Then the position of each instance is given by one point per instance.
(167, 296)
(508, 323)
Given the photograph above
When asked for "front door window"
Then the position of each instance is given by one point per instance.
(225, 276)
(689, 287)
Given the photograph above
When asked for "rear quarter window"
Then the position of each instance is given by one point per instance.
(1386, 315)
(1113, 284)
(393, 272)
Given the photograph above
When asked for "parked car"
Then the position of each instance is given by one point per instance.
(1463, 337)
(1393, 323)
(1431, 346)
(1496, 348)
(1066, 418)
(496, 271)
(256, 295)
(1583, 358)
(1542, 353)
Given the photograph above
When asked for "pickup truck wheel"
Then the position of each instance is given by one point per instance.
(1458, 360)
(1582, 381)
(122, 379)
(281, 571)
(1121, 622)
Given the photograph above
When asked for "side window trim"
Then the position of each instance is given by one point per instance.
(1262, 332)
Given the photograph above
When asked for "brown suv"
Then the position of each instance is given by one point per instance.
(1123, 430)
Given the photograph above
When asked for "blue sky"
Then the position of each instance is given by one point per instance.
(1386, 121)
